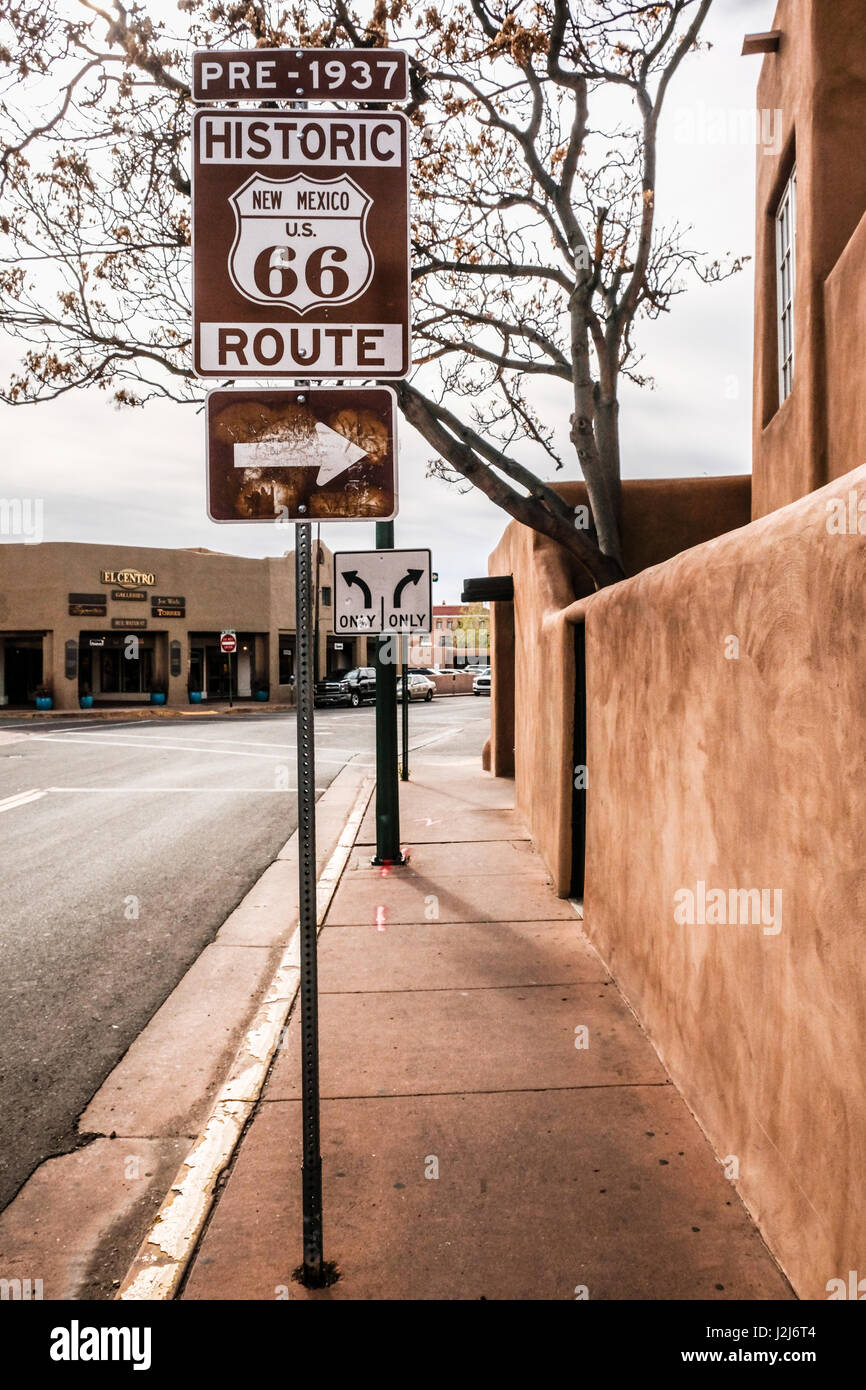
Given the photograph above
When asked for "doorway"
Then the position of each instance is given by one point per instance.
(579, 778)
(22, 669)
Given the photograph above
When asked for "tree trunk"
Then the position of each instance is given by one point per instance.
(602, 569)
(600, 468)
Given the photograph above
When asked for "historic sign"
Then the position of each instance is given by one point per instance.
(301, 455)
(129, 624)
(166, 610)
(302, 265)
(129, 595)
(382, 591)
(309, 74)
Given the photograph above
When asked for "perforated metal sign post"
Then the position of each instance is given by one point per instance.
(314, 1272)
(300, 244)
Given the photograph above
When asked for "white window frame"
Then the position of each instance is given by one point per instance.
(786, 277)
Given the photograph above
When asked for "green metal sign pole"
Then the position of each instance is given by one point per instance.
(404, 710)
(387, 796)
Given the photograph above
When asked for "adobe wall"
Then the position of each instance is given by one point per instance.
(742, 774)
(845, 317)
(454, 683)
(533, 648)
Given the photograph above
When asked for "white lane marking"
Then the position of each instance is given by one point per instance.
(122, 791)
(20, 799)
(204, 739)
(147, 746)
(94, 726)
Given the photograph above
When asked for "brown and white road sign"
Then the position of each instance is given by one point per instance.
(301, 244)
(308, 74)
(302, 455)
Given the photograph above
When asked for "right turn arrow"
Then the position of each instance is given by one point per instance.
(413, 577)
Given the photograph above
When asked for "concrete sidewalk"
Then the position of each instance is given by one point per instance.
(495, 1123)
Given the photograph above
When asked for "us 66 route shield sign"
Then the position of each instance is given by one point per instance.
(300, 244)
(382, 591)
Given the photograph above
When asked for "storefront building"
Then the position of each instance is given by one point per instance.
(460, 637)
(123, 624)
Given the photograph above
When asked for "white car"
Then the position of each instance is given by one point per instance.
(481, 683)
(420, 688)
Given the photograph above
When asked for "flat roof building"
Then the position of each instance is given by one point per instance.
(123, 622)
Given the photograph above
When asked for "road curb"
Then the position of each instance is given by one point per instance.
(128, 713)
(163, 1256)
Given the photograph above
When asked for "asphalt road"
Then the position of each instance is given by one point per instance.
(123, 848)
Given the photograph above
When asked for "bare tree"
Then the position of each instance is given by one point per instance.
(536, 246)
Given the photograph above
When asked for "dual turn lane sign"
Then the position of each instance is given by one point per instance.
(383, 591)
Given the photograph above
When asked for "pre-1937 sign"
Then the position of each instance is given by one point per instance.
(308, 74)
(300, 239)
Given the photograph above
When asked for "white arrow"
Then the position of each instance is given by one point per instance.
(330, 452)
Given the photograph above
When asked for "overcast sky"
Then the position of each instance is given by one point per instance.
(137, 478)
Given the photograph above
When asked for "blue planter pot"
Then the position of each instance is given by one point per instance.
(157, 697)
(195, 697)
(85, 701)
(262, 695)
(44, 702)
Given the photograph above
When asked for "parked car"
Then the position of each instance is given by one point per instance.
(481, 683)
(353, 688)
(475, 670)
(420, 687)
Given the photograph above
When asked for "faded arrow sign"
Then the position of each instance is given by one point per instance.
(324, 449)
(299, 455)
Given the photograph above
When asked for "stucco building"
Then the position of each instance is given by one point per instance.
(122, 621)
(701, 726)
(460, 637)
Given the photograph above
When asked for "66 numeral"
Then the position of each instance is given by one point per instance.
(275, 278)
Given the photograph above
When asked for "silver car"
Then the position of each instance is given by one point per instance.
(481, 683)
(420, 688)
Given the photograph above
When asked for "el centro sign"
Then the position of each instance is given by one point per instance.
(128, 578)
